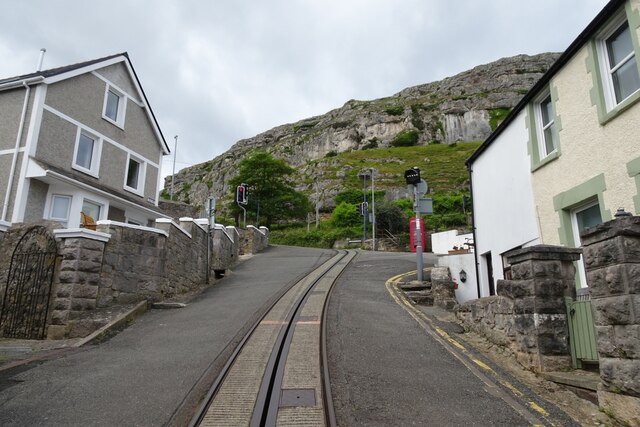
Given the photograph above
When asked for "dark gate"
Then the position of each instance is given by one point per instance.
(25, 302)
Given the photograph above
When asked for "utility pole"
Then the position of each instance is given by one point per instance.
(373, 209)
(173, 174)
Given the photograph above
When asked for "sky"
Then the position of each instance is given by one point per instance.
(218, 71)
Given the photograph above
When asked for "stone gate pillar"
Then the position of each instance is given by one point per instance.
(542, 276)
(612, 263)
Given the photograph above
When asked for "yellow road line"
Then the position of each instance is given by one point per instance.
(443, 337)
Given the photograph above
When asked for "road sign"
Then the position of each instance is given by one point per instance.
(420, 187)
(424, 206)
(364, 206)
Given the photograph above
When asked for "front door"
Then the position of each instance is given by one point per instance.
(583, 217)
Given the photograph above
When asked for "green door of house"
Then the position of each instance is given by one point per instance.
(582, 336)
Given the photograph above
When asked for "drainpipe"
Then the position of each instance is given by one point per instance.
(473, 228)
(5, 206)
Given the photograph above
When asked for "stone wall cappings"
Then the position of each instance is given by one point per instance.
(122, 264)
(528, 315)
(253, 240)
(612, 264)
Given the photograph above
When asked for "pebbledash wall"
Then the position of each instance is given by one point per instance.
(528, 315)
(120, 264)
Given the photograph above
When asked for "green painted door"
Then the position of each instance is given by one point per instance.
(582, 336)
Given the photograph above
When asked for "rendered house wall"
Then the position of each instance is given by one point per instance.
(502, 198)
(588, 149)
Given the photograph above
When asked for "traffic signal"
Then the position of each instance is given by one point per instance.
(412, 176)
(242, 196)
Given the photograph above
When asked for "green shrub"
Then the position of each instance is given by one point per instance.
(405, 138)
(395, 111)
(345, 215)
(496, 116)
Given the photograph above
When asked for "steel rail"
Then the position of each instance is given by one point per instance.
(267, 400)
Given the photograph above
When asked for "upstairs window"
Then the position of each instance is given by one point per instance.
(547, 127)
(114, 106)
(134, 179)
(622, 66)
(87, 153)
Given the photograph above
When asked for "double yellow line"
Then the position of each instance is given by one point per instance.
(480, 369)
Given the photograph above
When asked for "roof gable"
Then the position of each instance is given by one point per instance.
(69, 71)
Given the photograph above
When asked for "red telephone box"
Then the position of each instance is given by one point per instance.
(412, 235)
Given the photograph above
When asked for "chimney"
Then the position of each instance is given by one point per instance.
(41, 60)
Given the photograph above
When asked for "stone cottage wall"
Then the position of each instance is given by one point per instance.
(612, 263)
(528, 315)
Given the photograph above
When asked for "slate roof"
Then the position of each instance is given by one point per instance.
(61, 70)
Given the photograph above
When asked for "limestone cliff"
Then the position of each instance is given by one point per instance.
(465, 107)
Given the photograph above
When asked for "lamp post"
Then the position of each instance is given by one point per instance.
(363, 209)
(373, 209)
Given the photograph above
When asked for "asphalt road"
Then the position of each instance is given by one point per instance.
(385, 370)
(142, 375)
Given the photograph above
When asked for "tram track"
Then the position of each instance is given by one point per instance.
(278, 373)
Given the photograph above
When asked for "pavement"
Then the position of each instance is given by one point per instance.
(155, 371)
(385, 370)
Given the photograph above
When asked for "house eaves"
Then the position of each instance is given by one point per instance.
(605, 14)
(62, 73)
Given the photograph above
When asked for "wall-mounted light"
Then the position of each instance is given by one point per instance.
(463, 276)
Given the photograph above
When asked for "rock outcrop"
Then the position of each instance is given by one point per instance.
(465, 107)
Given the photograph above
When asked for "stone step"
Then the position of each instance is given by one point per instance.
(423, 297)
(415, 285)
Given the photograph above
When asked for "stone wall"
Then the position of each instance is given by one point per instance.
(253, 240)
(612, 263)
(225, 248)
(529, 314)
(119, 265)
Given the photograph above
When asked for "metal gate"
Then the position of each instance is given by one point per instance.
(25, 303)
(582, 336)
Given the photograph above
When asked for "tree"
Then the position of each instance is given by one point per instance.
(345, 215)
(391, 217)
(271, 193)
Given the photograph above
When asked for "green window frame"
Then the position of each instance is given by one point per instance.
(543, 122)
(633, 168)
(603, 92)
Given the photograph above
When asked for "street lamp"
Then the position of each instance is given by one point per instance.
(363, 175)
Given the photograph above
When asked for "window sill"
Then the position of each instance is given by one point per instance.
(86, 171)
(113, 122)
(620, 108)
(134, 191)
(551, 157)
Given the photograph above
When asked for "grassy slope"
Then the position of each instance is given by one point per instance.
(442, 166)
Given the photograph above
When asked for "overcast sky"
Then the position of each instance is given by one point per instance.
(221, 70)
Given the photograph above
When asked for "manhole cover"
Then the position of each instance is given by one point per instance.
(298, 397)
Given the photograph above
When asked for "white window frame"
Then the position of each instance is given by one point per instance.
(122, 106)
(100, 206)
(65, 220)
(142, 172)
(541, 126)
(94, 169)
(603, 60)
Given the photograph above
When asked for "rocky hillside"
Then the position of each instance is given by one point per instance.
(465, 107)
